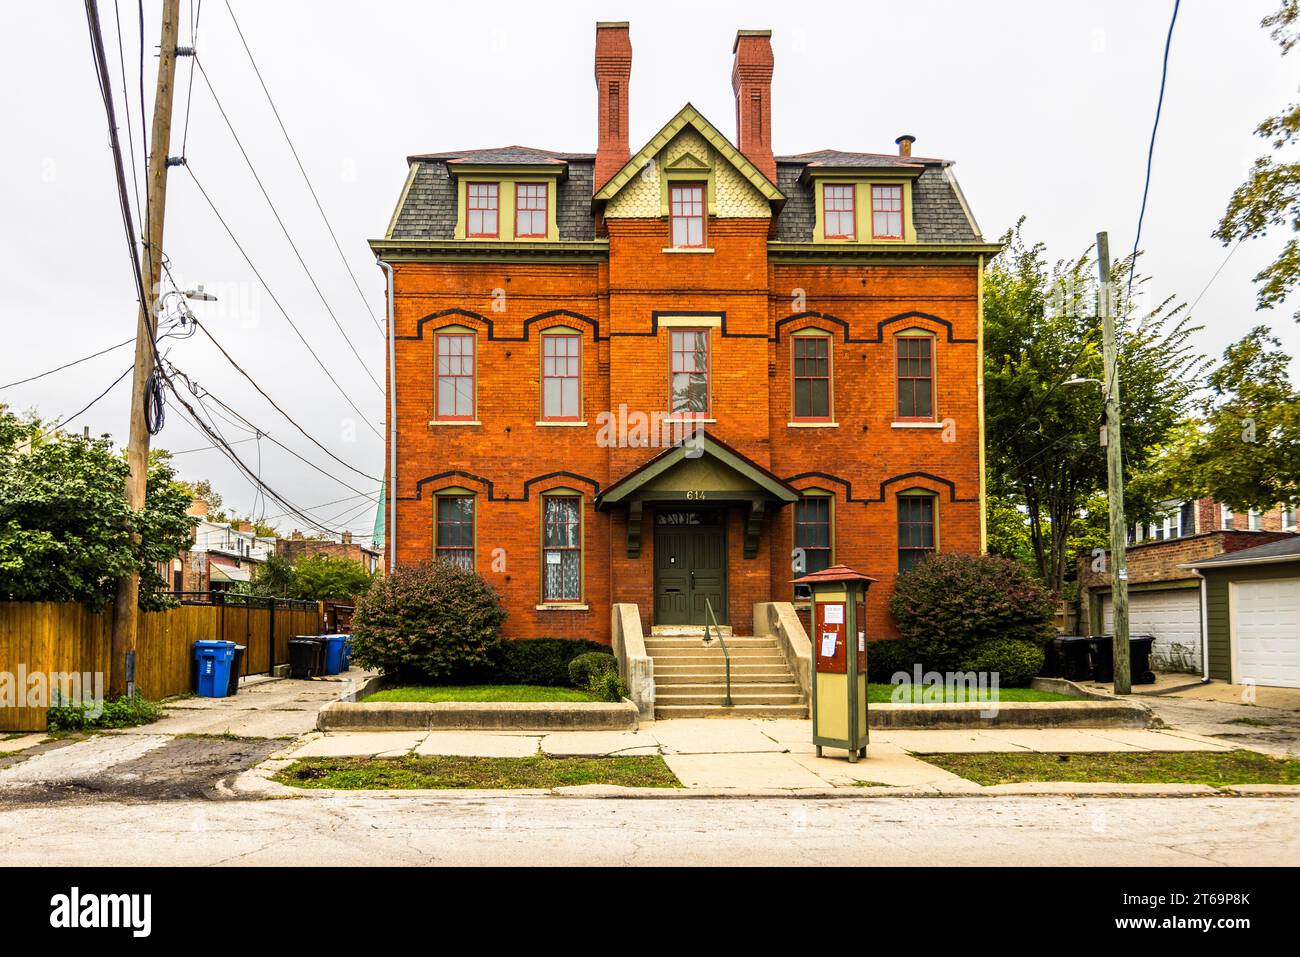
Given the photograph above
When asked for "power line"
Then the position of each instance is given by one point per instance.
(205, 448)
(1151, 148)
(85, 408)
(1196, 301)
(189, 90)
(283, 228)
(303, 169)
(67, 365)
(190, 169)
(275, 406)
(126, 99)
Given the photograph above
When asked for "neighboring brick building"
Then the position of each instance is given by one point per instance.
(670, 377)
(297, 546)
(1165, 597)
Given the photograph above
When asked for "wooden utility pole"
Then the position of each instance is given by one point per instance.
(126, 614)
(1114, 470)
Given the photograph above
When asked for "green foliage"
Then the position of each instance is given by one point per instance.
(589, 664)
(539, 661)
(65, 528)
(313, 578)
(1243, 448)
(1016, 662)
(1008, 530)
(1270, 196)
(124, 712)
(1041, 328)
(607, 686)
(887, 657)
(949, 606)
(430, 621)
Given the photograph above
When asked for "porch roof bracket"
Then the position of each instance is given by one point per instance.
(634, 528)
(754, 526)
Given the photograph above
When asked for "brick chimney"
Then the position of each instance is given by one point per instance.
(243, 526)
(613, 70)
(347, 538)
(751, 79)
(198, 508)
(905, 144)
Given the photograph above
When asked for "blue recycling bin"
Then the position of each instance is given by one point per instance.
(214, 660)
(347, 652)
(334, 651)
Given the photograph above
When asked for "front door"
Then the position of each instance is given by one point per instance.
(690, 555)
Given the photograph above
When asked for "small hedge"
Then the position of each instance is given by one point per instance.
(123, 712)
(586, 666)
(607, 686)
(538, 661)
(1016, 662)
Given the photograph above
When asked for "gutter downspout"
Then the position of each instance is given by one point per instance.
(390, 521)
(1205, 628)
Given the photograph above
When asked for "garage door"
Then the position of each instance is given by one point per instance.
(1173, 616)
(1266, 632)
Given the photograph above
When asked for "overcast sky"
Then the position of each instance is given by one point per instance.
(1045, 107)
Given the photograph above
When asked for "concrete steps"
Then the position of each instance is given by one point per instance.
(691, 676)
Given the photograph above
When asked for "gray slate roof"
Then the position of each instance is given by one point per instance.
(1281, 550)
(430, 208)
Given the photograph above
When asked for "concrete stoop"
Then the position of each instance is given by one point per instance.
(691, 677)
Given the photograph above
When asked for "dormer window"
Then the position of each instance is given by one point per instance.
(482, 205)
(686, 206)
(530, 210)
(841, 216)
(886, 212)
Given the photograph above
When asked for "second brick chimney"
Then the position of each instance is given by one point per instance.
(751, 79)
(613, 70)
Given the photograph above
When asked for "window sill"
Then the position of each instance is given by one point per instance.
(916, 425)
(455, 422)
(562, 606)
(812, 425)
(687, 249)
(560, 423)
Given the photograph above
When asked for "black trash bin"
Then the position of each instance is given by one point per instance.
(236, 670)
(1139, 658)
(1069, 654)
(306, 656)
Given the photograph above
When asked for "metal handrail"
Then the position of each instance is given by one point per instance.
(708, 608)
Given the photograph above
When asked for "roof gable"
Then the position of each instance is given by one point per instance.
(688, 116)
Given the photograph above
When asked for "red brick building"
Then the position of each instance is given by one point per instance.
(684, 375)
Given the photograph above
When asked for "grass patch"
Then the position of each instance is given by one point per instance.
(14, 736)
(445, 771)
(431, 693)
(1215, 768)
(1253, 722)
(884, 694)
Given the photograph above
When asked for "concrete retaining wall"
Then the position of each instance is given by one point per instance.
(478, 716)
(634, 664)
(778, 619)
(974, 715)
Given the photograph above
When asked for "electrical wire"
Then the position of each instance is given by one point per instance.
(66, 365)
(221, 219)
(126, 97)
(189, 90)
(302, 169)
(283, 228)
(85, 408)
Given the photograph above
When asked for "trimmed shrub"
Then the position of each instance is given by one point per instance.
(584, 667)
(607, 686)
(1017, 662)
(885, 657)
(428, 622)
(949, 606)
(538, 661)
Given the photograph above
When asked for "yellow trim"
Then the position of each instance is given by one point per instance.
(401, 200)
(506, 185)
(690, 322)
(862, 209)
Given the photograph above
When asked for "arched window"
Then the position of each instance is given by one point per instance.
(918, 527)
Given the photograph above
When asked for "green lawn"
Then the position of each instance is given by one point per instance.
(429, 693)
(1217, 768)
(539, 771)
(884, 694)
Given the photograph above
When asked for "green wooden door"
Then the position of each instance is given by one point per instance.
(690, 558)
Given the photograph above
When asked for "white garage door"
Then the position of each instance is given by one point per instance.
(1266, 632)
(1173, 616)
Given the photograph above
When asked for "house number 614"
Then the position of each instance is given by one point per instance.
(694, 494)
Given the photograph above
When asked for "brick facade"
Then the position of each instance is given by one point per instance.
(624, 302)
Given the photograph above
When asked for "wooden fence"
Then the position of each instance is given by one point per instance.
(57, 637)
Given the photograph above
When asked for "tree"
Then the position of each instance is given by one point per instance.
(1041, 330)
(312, 577)
(1243, 447)
(65, 528)
(1270, 196)
(202, 490)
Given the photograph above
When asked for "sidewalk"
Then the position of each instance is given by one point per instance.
(768, 755)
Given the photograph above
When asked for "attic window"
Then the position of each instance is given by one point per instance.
(837, 202)
(481, 207)
(687, 209)
(887, 212)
